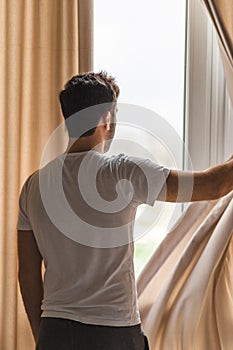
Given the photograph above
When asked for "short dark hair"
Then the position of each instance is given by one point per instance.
(86, 90)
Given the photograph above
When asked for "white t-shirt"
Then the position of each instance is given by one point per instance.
(81, 208)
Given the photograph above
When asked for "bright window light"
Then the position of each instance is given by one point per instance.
(142, 44)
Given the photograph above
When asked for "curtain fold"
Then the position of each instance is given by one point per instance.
(186, 289)
(221, 14)
(43, 43)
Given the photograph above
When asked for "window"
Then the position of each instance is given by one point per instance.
(143, 45)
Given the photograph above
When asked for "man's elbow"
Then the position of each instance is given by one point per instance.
(29, 276)
(23, 278)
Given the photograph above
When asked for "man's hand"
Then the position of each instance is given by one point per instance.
(187, 186)
(30, 278)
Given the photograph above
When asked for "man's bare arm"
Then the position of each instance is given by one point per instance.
(185, 186)
(30, 278)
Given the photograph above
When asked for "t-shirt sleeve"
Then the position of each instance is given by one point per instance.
(23, 219)
(147, 178)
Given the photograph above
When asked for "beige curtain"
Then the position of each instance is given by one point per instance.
(43, 43)
(186, 289)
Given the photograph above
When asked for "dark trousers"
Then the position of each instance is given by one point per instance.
(63, 334)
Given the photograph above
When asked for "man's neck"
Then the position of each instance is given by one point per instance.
(84, 144)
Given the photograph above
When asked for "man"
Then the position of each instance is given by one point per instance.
(88, 297)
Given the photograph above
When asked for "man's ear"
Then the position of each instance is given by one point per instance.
(106, 120)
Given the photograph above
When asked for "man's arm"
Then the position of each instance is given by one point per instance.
(186, 186)
(30, 278)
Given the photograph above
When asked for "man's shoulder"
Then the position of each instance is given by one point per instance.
(30, 178)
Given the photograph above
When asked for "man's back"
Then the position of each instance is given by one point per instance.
(88, 252)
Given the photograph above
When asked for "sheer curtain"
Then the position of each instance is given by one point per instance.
(186, 289)
(221, 13)
(43, 43)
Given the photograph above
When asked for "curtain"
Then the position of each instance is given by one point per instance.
(221, 14)
(43, 43)
(186, 289)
